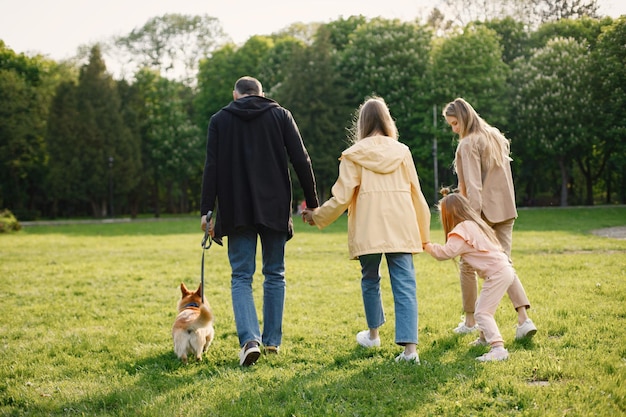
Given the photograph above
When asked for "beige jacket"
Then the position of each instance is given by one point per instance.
(490, 191)
(379, 187)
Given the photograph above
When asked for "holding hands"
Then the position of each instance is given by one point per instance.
(307, 216)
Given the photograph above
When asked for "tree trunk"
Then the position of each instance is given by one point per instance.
(184, 196)
(157, 203)
(564, 181)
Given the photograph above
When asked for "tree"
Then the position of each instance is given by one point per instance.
(582, 29)
(531, 13)
(591, 158)
(609, 61)
(467, 64)
(131, 106)
(216, 79)
(26, 88)
(173, 44)
(551, 10)
(275, 69)
(302, 32)
(171, 143)
(464, 12)
(312, 72)
(389, 58)
(341, 29)
(512, 37)
(110, 158)
(66, 187)
(551, 105)
(218, 74)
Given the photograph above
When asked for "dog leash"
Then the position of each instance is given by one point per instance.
(207, 241)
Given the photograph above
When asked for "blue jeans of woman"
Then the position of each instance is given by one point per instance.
(403, 287)
(242, 246)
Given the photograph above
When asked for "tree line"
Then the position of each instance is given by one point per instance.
(76, 141)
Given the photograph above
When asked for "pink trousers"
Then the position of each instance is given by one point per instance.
(491, 294)
(469, 282)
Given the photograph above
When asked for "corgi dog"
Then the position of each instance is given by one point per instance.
(193, 329)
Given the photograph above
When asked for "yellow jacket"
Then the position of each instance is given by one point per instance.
(379, 187)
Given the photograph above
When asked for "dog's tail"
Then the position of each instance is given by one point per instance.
(204, 318)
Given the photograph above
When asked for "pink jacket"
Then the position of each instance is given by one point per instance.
(470, 243)
(379, 187)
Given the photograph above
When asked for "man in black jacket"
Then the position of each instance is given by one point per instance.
(250, 144)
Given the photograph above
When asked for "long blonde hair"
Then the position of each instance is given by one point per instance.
(493, 143)
(373, 117)
(454, 208)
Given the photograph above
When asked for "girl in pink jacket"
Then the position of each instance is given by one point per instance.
(387, 214)
(471, 238)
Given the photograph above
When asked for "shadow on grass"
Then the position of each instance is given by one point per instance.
(358, 381)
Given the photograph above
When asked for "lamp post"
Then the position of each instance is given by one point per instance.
(435, 165)
(111, 214)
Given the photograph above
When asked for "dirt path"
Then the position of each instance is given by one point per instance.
(612, 232)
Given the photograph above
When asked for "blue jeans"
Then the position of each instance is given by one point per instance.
(403, 287)
(242, 246)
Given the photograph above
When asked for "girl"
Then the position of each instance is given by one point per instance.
(387, 214)
(471, 238)
(483, 167)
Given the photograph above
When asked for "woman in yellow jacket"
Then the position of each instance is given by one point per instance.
(483, 168)
(387, 214)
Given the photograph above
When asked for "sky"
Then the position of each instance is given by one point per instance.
(57, 28)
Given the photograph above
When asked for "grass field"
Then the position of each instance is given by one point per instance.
(86, 313)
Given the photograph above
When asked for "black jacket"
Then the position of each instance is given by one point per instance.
(246, 173)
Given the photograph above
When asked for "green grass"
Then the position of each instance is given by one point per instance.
(87, 312)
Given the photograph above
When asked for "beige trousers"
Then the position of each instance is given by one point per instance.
(469, 283)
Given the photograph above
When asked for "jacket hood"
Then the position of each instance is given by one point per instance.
(380, 154)
(250, 107)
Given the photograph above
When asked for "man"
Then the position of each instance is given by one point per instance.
(250, 144)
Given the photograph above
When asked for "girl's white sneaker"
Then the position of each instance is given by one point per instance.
(363, 339)
(413, 357)
(495, 354)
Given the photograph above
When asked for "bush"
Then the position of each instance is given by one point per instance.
(8, 222)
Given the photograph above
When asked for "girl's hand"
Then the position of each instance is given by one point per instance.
(307, 216)
(427, 247)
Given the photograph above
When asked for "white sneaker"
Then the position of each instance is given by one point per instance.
(495, 354)
(363, 339)
(527, 329)
(413, 357)
(463, 329)
(249, 353)
(479, 342)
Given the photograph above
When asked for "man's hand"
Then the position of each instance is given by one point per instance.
(203, 225)
(307, 216)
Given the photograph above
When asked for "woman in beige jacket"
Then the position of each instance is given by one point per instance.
(387, 214)
(483, 167)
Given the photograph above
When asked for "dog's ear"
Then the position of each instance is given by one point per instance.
(199, 290)
(183, 289)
